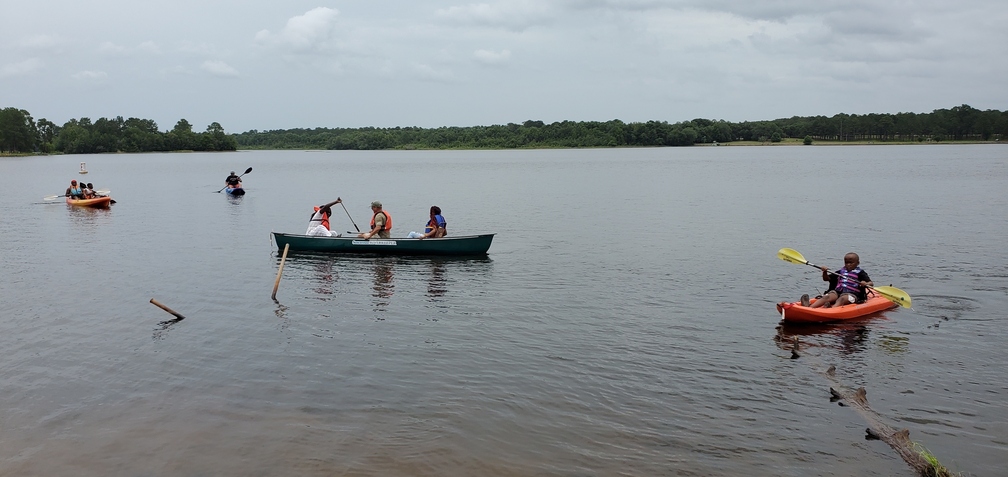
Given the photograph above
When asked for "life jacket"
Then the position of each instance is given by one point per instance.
(325, 218)
(847, 281)
(388, 220)
(433, 224)
(76, 191)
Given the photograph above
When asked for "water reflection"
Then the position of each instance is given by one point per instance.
(848, 338)
(161, 332)
(377, 279)
(383, 285)
(88, 216)
(324, 278)
(437, 284)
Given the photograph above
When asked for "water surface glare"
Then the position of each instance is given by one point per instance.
(623, 322)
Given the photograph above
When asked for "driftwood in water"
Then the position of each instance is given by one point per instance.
(899, 440)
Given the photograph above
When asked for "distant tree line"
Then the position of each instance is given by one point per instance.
(962, 123)
(19, 133)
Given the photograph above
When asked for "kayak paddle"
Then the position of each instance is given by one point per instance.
(890, 293)
(54, 197)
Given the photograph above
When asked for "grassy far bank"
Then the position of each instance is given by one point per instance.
(791, 141)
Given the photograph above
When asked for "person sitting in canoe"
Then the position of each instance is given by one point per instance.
(381, 223)
(436, 226)
(233, 181)
(318, 226)
(847, 285)
(74, 191)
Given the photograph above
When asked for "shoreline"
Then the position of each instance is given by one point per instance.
(783, 142)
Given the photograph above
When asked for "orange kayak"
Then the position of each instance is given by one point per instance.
(99, 202)
(794, 312)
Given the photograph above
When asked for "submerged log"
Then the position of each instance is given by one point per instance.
(899, 440)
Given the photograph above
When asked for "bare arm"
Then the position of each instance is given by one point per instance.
(337, 201)
(378, 225)
(367, 235)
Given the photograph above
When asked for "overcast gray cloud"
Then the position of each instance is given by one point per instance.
(268, 65)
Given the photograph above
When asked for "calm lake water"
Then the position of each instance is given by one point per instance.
(623, 322)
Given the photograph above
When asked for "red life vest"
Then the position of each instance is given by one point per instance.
(388, 220)
(325, 218)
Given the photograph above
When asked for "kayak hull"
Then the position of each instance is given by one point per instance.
(97, 202)
(465, 245)
(235, 191)
(794, 312)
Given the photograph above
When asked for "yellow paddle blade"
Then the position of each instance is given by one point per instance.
(894, 295)
(791, 255)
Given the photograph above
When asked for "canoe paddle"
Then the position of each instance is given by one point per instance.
(890, 293)
(243, 173)
(351, 218)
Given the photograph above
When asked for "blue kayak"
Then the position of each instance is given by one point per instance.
(235, 191)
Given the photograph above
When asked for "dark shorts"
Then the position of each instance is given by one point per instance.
(856, 295)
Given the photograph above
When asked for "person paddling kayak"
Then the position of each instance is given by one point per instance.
(233, 181)
(847, 285)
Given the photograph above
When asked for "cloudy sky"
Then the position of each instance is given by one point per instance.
(258, 64)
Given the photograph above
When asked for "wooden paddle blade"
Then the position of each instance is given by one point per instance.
(894, 295)
(792, 256)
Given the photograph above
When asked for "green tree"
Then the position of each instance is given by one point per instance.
(17, 131)
(182, 138)
(47, 132)
(217, 139)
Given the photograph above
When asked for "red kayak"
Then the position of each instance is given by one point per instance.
(794, 312)
(97, 202)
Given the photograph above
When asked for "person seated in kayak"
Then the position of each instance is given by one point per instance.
(233, 181)
(436, 226)
(318, 226)
(847, 285)
(88, 191)
(381, 223)
(93, 192)
(74, 191)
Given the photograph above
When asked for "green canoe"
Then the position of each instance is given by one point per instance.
(461, 245)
